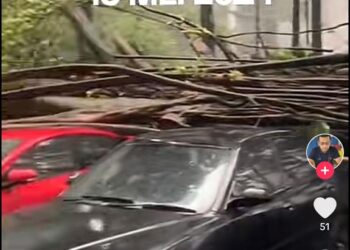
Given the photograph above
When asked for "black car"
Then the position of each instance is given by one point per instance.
(188, 189)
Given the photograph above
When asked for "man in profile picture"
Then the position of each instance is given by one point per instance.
(324, 152)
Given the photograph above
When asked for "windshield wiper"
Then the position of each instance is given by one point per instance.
(161, 206)
(128, 203)
(103, 199)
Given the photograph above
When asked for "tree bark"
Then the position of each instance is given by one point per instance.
(316, 25)
(207, 21)
(296, 23)
(127, 49)
(85, 29)
(258, 38)
(307, 21)
(83, 47)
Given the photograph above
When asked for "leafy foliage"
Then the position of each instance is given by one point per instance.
(36, 33)
(25, 33)
(288, 54)
(146, 36)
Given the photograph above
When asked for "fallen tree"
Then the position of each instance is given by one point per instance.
(268, 93)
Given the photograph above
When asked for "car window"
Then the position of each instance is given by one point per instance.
(65, 154)
(272, 164)
(92, 148)
(7, 145)
(50, 156)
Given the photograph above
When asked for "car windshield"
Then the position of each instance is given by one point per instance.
(7, 146)
(158, 173)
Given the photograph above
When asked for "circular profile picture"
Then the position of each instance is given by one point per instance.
(326, 149)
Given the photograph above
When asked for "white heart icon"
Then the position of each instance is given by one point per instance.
(325, 207)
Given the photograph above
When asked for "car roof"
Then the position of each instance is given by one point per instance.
(220, 136)
(30, 133)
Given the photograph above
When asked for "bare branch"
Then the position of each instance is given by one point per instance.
(284, 33)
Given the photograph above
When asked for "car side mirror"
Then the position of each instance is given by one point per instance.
(21, 175)
(257, 193)
(72, 178)
(250, 197)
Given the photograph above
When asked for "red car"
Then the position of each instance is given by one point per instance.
(38, 163)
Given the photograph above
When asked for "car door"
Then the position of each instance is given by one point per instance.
(256, 178)
(276, 164)
(271, 199)
(53, 159)
(9, 199)
(10, 148)
(243, 222)
(302, 224)
(56, 160)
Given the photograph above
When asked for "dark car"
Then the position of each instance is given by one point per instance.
(188, 189)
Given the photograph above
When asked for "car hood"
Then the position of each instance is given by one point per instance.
(67, 225)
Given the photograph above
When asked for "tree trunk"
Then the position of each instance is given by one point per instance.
(296, 23)
(316, 25)
(207, 21)
(83, 47)
(85, 28)
(307, 21)
(257, 29)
